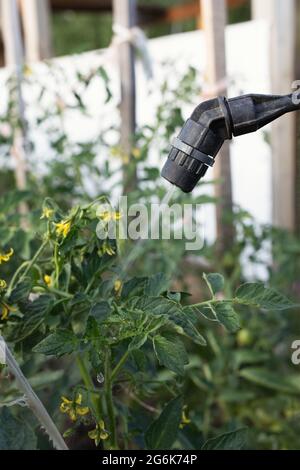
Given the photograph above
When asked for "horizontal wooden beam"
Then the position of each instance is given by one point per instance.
(98, 5)
(146, 13)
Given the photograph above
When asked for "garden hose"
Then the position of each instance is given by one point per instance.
(213, 122)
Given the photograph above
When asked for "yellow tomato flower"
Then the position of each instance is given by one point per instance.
(73, 408)
(107, 215)
(47, 213)
(106, 249)
(63, 228)
(27, 71)
(184, 420)
(136, 153)
(118, 286)
(3, 284)
(5, 257)
(5, 310)
(99, 433)
(119, 153)
(48, 280)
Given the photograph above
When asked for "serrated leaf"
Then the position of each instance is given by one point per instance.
(156, 285)
(35, 314)
(163, 432)
(15, 434)
(138, 341)
(92, 330)
(155, 305)
(227, 316)
(28, 326)
(234, 440)
(100, 311)
(40, 306)
(215, 282)
(21, 291)
(57, 344)
(183, 321)
(257, 295)
(171, 353)
(133, 287)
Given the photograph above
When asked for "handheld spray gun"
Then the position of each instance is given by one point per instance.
(213, 122)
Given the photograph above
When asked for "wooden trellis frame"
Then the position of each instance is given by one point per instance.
(282, 18)
(37, 29)
(214, 16)
(124, 15)
(286, 204)
(14, 57)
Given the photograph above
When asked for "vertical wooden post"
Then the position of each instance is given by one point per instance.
(213, 13)
(297, 119)
(11, 30)
(281, 16)
(14, 57)
(124, 15)
(37, 29)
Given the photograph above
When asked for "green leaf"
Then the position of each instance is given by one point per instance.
(138, 341)
(215, 282)
(21, 291)
(272, 381)
(249, 357)
(182, 320)
(133, 287)
(45, 378)
(28, 326)
(163, 432)
(155, 305)
(92, 330)
(100, 311)
(171, 353)
(234, 440)
(227, 316)
(257, 295)
(175, 296)
(40, 306)
(15, 434)
(35, 314)
(57, 344)
(156, 285)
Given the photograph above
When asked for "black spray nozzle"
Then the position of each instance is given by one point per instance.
(213, 122)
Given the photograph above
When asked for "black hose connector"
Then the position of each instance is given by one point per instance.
(213, 122)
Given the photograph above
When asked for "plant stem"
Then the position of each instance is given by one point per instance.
(15, 276)
(109, 401)
(119, 366)
(34, 259)
(56, 263)
(32, 399)
(88, 382)
(65, 295)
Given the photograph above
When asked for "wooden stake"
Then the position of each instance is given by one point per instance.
(282, 18)
(214, 22)
(124, 14)
(37, 29)
(14, 57)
